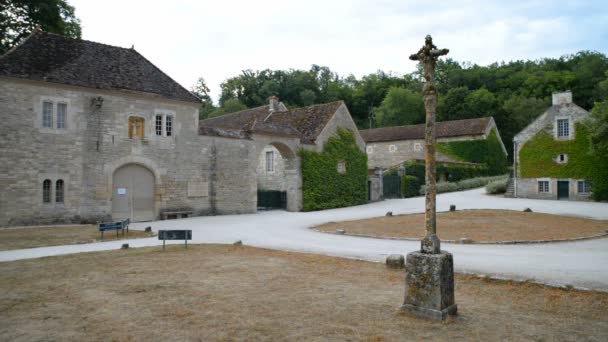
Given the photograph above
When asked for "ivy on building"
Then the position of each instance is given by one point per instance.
(537, 159)
(483, 151)
(323, 187)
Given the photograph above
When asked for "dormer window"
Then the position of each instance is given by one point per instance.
(563, 128)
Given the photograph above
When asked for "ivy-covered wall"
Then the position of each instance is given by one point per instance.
(322, 186)
(537, 155)
(488, 152)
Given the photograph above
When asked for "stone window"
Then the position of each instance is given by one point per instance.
(270, 161)
(136, 127)
(563, 128)
(392, 148)
(562, 158)
(59, 193)
(584, 186)
(341, 167)
(417, 147)
(168, 125)
(369, 149)
(159, 125)
(543, 186)
(46, 191)
(47, 114)
(163, 125)
(62, 112)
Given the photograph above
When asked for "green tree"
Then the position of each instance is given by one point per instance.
(230, 106)
(19, 18)
(452, 105)
(400, 107)
(480, 103)
(201, 90)
(598, 129)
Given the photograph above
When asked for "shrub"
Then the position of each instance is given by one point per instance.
(498, 186)
(322, 186)
(464, 184)
(410, 186)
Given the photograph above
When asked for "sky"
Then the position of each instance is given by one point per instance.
(188, 39)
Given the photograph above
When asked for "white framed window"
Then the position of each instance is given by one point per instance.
(158, 124)
(54, 114)
(584, 186)
(392, 148)
(562, 158)
(341, 167)
(270, 161)
(47, 114)
(163, 125)
(168, 125)
(62, 113)
(417, 147)
(543, 186)
(563, 128)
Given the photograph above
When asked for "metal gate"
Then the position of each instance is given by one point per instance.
(391, 186)
(271, 199)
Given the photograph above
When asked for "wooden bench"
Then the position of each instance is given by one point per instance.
(169, 215)
(118, 225)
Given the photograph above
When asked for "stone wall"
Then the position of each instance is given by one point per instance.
(389, 154)
(275, 178)
(341, 119)
(528, 188)
(85, 154)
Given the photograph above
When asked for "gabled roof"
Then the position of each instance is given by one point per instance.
(444, 129)
(54, 58)
(305, 123)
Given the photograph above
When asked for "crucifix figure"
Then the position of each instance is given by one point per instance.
(427, 56)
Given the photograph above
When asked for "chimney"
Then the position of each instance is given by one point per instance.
(273, 102)
(562, 98)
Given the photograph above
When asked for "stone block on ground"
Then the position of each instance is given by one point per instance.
(452, 207)
(395, 261)
(429, 285)
(340, 231)
(465, 240)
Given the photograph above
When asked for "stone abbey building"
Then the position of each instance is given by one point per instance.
(93, 132)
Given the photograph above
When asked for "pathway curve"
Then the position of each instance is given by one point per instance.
(581, 264)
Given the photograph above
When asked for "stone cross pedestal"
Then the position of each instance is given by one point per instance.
(429, 273)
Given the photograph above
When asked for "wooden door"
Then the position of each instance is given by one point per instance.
(133, 194)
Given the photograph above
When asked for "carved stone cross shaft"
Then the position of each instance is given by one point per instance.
(427, 56)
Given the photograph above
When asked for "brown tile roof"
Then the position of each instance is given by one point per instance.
(53, 58)
(305, 123)
(444, 129)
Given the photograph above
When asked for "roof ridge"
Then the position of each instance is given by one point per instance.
(438, 122)
(233, 113)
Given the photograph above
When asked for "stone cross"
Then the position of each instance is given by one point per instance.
(427, 56)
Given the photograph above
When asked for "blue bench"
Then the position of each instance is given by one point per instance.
(118, 225)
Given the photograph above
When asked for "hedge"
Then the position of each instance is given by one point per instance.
(483, 151)
(536, 160)
(466, 184)
(322, 186)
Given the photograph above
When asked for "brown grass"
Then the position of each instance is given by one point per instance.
(479, 225)
(31, 237)
(239, 293)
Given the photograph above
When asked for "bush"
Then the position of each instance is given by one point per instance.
(498, 186)
(410, 186)
(464, 184)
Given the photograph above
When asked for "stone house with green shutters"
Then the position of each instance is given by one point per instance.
(551, 154)
(93, 132)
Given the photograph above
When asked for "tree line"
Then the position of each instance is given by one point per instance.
(514, 93)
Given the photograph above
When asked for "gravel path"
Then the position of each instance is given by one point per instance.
(582, 264)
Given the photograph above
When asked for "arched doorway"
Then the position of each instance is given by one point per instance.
(133, 193)
(278, 178)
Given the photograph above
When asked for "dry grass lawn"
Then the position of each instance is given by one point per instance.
(212, 292)
(479, 225)
(31, 237)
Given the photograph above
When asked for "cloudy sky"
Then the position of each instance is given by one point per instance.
(217, 39)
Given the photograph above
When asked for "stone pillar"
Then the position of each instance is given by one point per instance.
(429, 277)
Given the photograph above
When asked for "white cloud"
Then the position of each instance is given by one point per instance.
(217, 40)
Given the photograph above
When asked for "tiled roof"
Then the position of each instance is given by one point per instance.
(444, 129)
(305, 123)
(58, 59)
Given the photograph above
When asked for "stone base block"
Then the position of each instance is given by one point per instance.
(429, 285)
